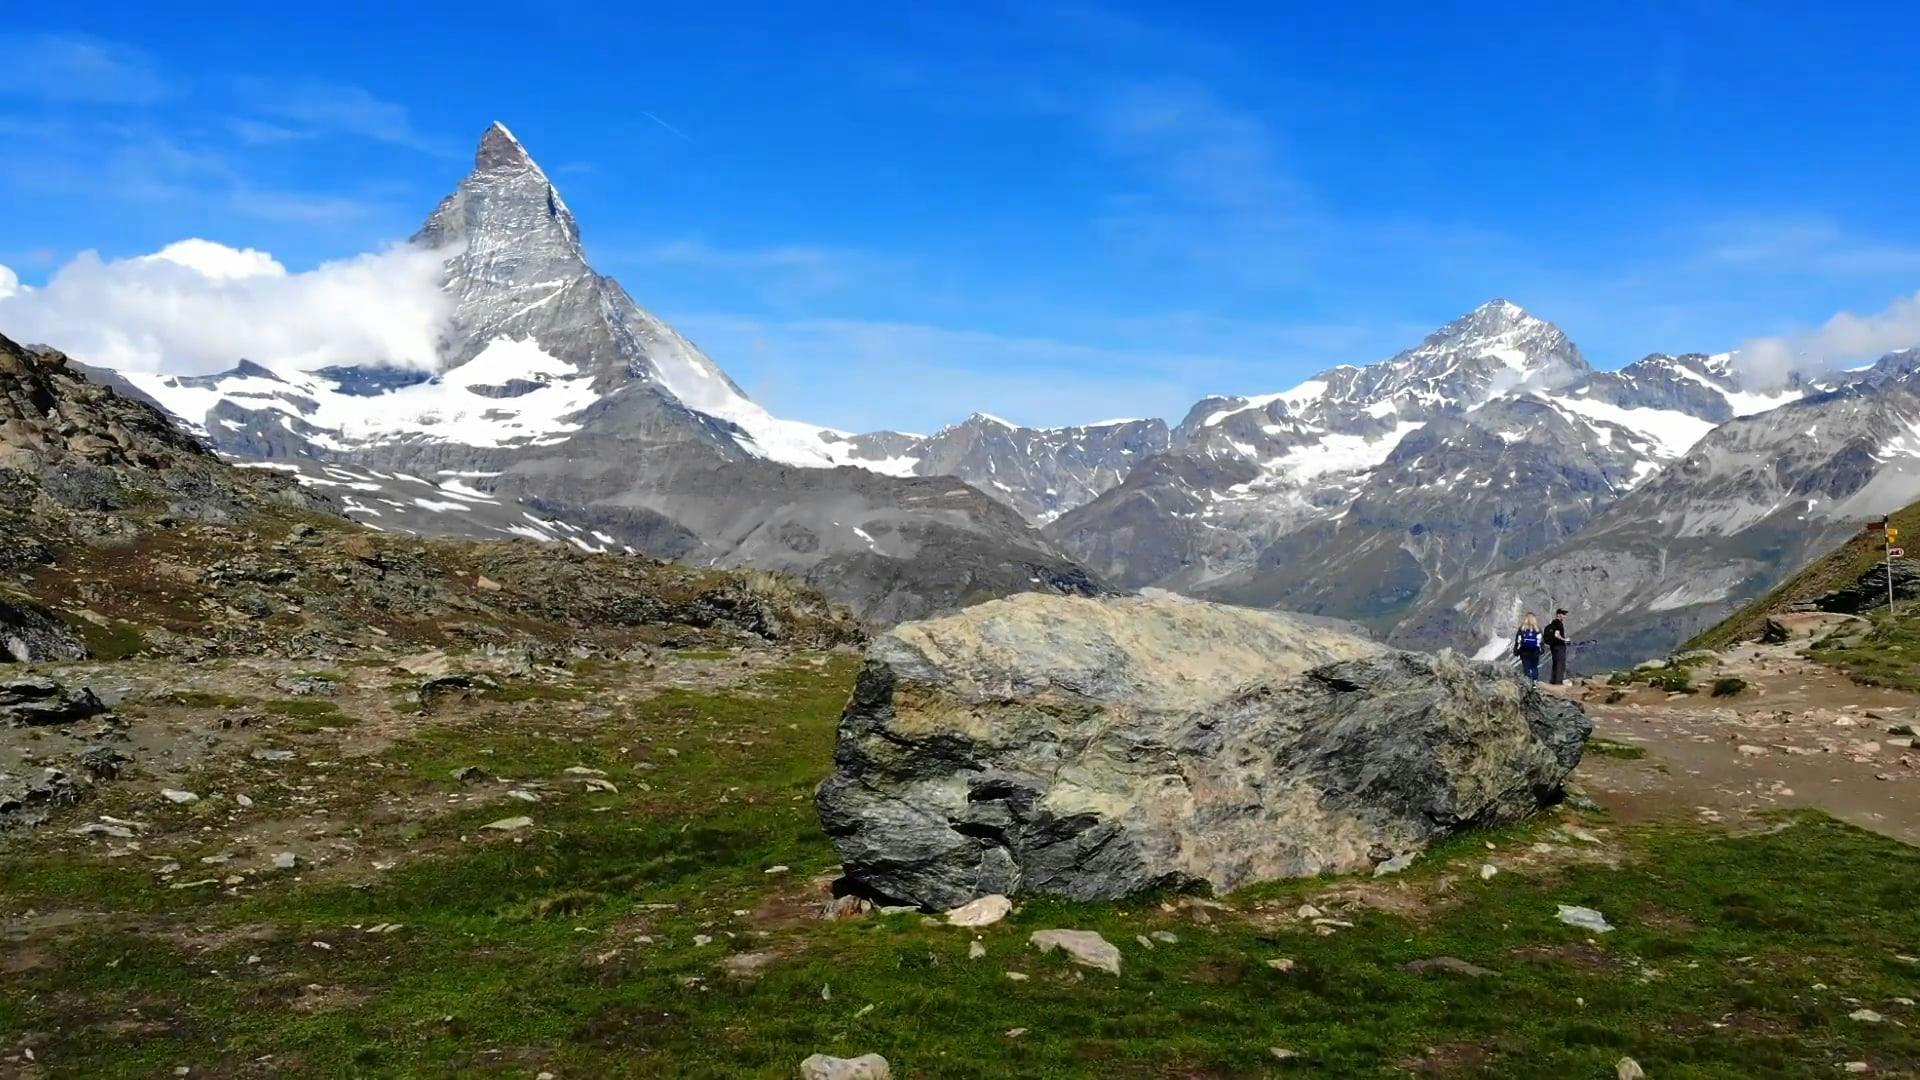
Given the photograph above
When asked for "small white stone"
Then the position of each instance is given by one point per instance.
(175, 796)
(1585, 918)
(983, 911)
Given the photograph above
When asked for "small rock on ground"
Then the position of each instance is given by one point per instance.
(1394, 865)
(864, 1067)
(509, 824)
(1084, 947)
(984, 911)
(1452, 965)
(1585, 918)
(1629, 1069)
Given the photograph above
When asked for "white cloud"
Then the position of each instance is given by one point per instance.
(197, 306)
(218, 262)
(1844, 339)
(9, 282)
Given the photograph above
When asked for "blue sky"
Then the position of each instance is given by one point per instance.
(884, 217)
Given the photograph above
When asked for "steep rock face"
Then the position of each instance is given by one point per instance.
(1092, 749)
(516, 271)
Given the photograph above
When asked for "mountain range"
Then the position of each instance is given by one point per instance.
(1431, 496)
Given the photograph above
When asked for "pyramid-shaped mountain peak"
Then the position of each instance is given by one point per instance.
(500, 150)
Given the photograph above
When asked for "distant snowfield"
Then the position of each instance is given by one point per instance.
(1337, 453)
(1671, 433)
(446, 408)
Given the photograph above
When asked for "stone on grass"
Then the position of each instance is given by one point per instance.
(181, 797)
(1629, 1069)
(1083, 947)
(510, 824)
(976, 949)
(1395, 865)
(864, 1067)
(285, 860)
(1093, 749)
(1487, 870)
(1585, 918)
(1451, 965)
(1866, 1016)
(984, 911)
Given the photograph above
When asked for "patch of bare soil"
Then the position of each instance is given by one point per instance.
(1799, 736)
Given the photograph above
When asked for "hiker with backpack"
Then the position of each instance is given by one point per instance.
(1526, 646)
(1557, 647)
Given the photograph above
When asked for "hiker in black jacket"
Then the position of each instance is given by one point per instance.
(1526, 646)
(1557, 645)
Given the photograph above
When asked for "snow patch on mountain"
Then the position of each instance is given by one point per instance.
(1672, 433)
(1339, 453)
(447, 408)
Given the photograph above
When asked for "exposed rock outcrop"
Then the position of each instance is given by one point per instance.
(1092, 749)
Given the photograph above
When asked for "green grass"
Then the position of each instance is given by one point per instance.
(1729, 686)
(1888, 654)
(1607, 748)
(200, 699)
(1839, 567)
(115, 641)
(309, 714)
(518, 957)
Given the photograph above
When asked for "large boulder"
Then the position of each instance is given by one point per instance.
(1095, 748)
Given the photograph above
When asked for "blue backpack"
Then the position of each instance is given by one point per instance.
(1529, 639)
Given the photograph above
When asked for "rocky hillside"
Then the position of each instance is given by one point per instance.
(1365, 492)
(1752, 501)
(123, 535)
(1850, 579)
(1041, 472)
(553, 384)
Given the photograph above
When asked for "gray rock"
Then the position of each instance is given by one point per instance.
(864, 1067)
(1450, 965)
(104, 762)
(1396, 864)
(1083, 947)
(1585, 918)
(34, 702)
(307, 686)
(1093, 749)
(1628, 1069)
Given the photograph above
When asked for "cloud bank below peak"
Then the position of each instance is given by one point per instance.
(197, 306)
(1844, 339)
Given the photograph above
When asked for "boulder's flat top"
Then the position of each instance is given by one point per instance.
(1157, 653)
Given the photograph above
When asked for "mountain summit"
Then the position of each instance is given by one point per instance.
(516, 271)
(562, 410)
